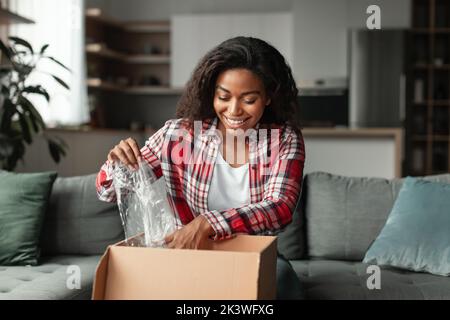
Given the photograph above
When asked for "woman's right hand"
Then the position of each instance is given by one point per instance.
(127, 152)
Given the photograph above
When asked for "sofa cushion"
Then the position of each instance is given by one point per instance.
(23, 202)
(291, 240)
(344, 215)
(48, 281)
(328, 279)
(77, 222)
(416, 235)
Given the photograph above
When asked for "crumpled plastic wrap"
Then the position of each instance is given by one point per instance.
(143, 205)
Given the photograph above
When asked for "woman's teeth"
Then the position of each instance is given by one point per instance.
(235, 122)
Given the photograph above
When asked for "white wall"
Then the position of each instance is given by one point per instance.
(351, 156)
(193, 35)
(320, 32)
(320, 39)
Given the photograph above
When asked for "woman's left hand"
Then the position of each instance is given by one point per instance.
(192, 236)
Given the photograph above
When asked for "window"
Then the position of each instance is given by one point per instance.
(61, 25)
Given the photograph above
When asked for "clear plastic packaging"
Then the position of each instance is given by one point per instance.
(143, 205)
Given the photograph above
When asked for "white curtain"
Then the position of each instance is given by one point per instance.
(59, 23)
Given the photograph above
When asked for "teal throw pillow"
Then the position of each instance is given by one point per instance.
(416, 235)
(23, 202)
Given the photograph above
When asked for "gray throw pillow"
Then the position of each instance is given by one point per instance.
(291, 240)
(344, 215)
(77, 222)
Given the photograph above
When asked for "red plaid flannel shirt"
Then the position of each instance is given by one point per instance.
(275, 185)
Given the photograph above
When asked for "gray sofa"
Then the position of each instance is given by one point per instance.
(334, 224)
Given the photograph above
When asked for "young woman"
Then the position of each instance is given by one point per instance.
(233, 160)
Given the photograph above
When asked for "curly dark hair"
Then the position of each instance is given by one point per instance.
(252, 54)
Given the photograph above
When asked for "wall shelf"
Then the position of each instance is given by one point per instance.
(154, 90)
(147, 58)
(131, 60)
(432, 66)
(8, 17)
(95, 83)
(443, 138)
(434, 103)
(96, 14)
(148, 27)
(430, 31)
(103, 51)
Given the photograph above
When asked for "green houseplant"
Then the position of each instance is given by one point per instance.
(19, 119)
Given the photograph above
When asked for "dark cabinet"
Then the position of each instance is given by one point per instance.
(428, 89)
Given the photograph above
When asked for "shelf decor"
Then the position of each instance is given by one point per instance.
(428, 89)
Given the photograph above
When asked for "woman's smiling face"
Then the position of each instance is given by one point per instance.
(239, 99)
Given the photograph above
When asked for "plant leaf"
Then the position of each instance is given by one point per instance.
(12, 149)
(53, 151)
(22, 42)
(60, 81)
(38, 90)
(5, 91)
(23, 69)
(36, 116)
(33, 121)
(44, 47)
(25, 128)
(8, 112)
(18, 152)
(53, 147)
(57, 62)
(63, 145)
(6, 146)
(6, 50)
(5, 69)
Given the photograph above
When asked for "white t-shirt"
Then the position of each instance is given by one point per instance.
(229, 186)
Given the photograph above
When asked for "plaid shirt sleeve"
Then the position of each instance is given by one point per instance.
(151, 154)
(279, 200)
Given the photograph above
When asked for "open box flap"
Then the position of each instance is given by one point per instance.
(101, 272)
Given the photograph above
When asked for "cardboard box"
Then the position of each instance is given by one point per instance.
(243, 267)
